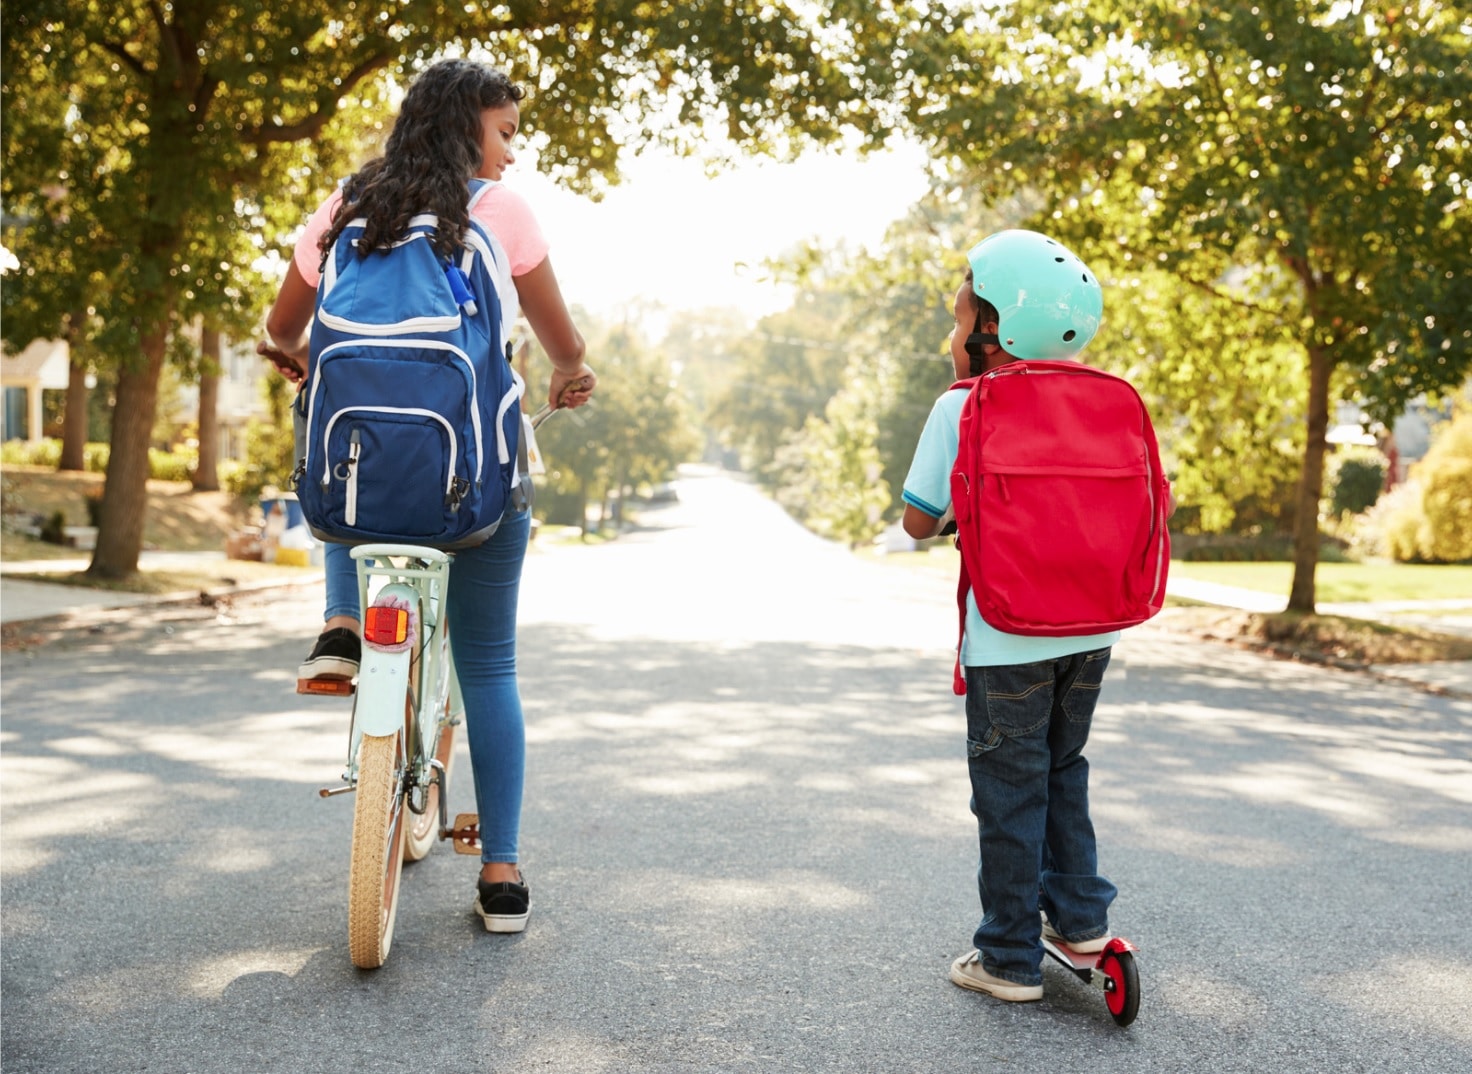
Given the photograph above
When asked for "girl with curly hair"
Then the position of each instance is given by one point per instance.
(458, 122)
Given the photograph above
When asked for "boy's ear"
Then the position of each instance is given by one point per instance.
(983, 336)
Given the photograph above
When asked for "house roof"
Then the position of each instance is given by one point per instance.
(46, 361)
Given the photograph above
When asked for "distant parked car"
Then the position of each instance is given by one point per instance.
(664, 492)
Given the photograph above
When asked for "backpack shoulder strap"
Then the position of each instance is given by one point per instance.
(479, 188)
(964, 460)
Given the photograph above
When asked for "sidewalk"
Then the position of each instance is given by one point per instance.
(22, 600)
(1453, 676)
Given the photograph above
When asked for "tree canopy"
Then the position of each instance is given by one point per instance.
(1302, 165)
(154, 151)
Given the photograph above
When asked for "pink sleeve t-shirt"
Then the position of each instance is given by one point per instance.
(504, 212)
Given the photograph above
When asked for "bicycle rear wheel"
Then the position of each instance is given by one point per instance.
(378, 855)
(424, 828)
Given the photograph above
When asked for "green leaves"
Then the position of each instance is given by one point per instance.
(1305, 163)
(155, 153)
(637, 428)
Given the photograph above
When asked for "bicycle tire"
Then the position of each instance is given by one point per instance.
(377, 855)
(424, 828)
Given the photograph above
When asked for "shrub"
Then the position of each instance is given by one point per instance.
(234, 476)
(53, 530)
(1235, 548)
(23, 453)
(1388, 528)
(1428, 519)
(269, 460)
(171, 465)
(93, 501)
(162, 465)
(1357, 483)
(1446, 502)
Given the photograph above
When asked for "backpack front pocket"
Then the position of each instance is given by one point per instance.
(391, 470)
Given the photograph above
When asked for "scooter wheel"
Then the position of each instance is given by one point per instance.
(1123, 996)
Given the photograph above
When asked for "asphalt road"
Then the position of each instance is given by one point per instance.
(747, 836)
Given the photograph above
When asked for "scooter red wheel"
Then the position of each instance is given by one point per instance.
(1122, 997)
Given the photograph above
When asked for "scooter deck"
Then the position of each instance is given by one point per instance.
(1084, 964)
(1081, 964)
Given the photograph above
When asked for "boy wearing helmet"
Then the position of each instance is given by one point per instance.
(1029, 699)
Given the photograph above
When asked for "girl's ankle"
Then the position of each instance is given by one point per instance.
(500, 873)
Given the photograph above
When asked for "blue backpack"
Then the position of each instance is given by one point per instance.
(412, 406)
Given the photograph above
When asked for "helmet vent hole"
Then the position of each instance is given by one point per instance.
(1059, 260)
(1068, 336)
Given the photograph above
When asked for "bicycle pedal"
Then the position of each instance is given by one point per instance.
(328, 687)
(465, 835)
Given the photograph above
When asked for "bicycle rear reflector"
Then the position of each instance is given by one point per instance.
(386, 626)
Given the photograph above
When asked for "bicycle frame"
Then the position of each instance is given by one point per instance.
(400, 739)
(387, 674)
(419, 576)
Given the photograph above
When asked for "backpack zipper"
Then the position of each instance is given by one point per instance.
(397, 328)
(354, 449)
(431, 344)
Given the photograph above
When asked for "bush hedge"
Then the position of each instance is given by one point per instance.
(162, 465)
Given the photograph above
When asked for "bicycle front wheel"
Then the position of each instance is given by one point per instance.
(378, 849)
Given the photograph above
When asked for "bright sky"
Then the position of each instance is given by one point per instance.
(669, 234)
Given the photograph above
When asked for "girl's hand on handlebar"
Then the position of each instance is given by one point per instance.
(285, 364)
(571, 390)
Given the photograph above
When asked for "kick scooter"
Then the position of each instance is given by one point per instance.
(1112, 970)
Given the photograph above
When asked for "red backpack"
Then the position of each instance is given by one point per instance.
(1060, 502)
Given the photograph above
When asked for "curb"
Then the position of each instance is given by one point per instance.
(1278, 651)
(18, 633)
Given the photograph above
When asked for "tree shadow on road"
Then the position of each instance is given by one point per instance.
(743, 856)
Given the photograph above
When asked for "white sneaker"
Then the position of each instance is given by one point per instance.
(968, 972)
(1082, 947)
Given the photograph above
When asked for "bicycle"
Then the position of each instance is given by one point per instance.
(401, 738)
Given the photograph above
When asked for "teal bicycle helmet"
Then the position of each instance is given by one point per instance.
(1048, 302)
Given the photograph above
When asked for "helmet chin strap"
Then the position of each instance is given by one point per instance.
(976, 343)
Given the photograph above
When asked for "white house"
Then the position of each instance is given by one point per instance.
(44, 364)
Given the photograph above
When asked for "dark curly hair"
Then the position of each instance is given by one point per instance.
(432, 154)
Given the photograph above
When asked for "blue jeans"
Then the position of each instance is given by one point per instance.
(1026, 725)
(484, 584)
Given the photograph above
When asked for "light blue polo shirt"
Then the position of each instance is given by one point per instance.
(928, 487)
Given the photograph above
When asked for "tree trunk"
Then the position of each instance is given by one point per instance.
(206, 473)
(74, 422)
(125, 494)
(1301, 597)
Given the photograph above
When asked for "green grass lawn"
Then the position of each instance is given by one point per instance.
(1342, 582)
(1336, 582)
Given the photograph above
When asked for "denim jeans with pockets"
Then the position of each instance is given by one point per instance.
(1026, 725)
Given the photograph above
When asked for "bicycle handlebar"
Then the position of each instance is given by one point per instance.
(547, 409)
